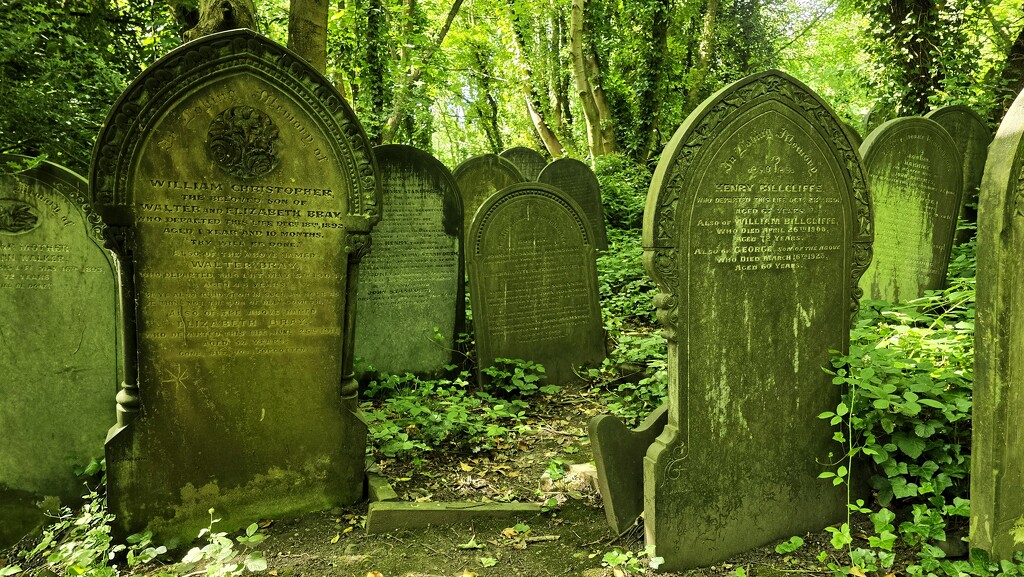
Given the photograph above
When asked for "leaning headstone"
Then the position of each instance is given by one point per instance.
(619, 458)
(478, 178)
(914, 169)
(527, 160)
(997, 447)
(971, 135)
(756, 230)
(578, 181)
(239, 190)
(58, 321)
(411, 284)
(533, 281)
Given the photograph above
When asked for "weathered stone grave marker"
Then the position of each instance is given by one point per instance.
(533, 281)
(480, 177)
(528, 161)
(971, 135)
(915, 193)
(580, 183)
(58, 340)
(411, 284)
(756, 230)
(240, 191)
(997, 446)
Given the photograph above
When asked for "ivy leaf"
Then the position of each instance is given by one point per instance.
(911, 446)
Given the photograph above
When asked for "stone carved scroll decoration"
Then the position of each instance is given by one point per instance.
(244, 142)
(574, 211)
(181, 71)
(17, 217)
(662, 247)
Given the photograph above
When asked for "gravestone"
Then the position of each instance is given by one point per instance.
(997, 446)
(619, 459)
(59, 359)
(533, 281)
(528, 161)
(239, 190)
(756, 230)
(411, 287)
(854, 135)
(478, 178)
(971, 135)
(914, 169)
(579, 182)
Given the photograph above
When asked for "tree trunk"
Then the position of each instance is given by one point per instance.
(1012, 76)
(221, 15)
(705, 51)
(375, 82)
(307, 31)
(604, 112)
(533, 103)
(595, 138)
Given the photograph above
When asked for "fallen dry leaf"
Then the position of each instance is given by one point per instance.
(856, 571)
(465, 467)
(374, 574)
(335, 538)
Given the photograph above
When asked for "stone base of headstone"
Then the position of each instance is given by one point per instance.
(384, 517)
(619, 456)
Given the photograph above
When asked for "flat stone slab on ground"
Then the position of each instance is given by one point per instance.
(384, 517)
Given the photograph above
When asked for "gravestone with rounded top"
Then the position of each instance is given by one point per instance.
(59, 359)
(916, 182)
(578, 181)
(971, 135)
(997, 445)
(533, 281)
(756, 230)
(478, 178)
(528, 161)
(239, 190)
(411, 287)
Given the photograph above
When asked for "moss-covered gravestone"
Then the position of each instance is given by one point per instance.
(58, 341)
(411, 287)
(579, 182)
(997, 442)
(533, 281)
(756, 230)
(916, 181)
(478, 178)
(971, 135)
(240, 190)
(528, 161)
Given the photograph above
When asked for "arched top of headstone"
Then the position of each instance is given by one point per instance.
(958, 110)
(242, 140)
(492, 164)
(576, 179)
(897, 127)
(528, 190)
(412, 159)
(527, 160)
(736, 103)
(55, 177)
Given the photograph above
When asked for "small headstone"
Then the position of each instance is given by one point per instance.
(756, 230)
(533, 281)
(579, 182)
(240, 190)
(480, 177)
(411, 287)
(619, 457)
(914, 169)
(997, 447)
(527, 160)
(971, 135)
(59, 359)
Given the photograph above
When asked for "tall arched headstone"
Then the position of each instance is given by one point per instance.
(579, 182)
(527, 160)
(533, 281)
(971, 135)
(59, 363)
(756, 230)
(411, 285)
(916, 182)
(478, 178)
(997, 446)
(240, 190)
